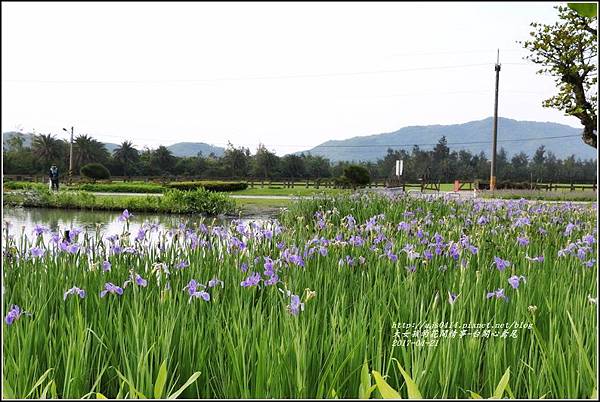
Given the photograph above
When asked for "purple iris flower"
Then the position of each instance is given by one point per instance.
(535, 259)
(74, 290)
(274, 279)
(454, 251)
(251, 280)
(404, 226)
(411, 268)
(192, 286)
(501, 264)
(36, 252)
(350, 221)
(498, 294)
(125, 216)
(106, 266)
(542, 231)
(514, 281)
(214, 282)
(482, 220)
(589, 239)
(590, 263)
(73, 248)
(201, 294)
(39, 229)
(111, 288)
(393, 257)
(140, 281)
(55, 238)
(522, 241)
(569, 229)
(295, 305)
(268, 266)
(183, 264)
(13, 314)
(244, 267)
(582, 253)
(427, 254)
(452, 297)
(73, 233)
(323, 251)
(141, 235)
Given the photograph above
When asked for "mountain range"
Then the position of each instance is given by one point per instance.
(475, 136)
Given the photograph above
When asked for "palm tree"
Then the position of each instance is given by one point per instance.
(47, 148)
(163, 159)
(127, 155)
(87, 150)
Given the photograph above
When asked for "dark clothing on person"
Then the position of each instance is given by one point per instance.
(53, 174)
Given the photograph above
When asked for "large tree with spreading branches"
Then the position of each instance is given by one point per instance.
(568, 50)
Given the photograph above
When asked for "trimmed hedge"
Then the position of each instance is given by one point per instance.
(215, 186)
(505, 185)
(121, 188)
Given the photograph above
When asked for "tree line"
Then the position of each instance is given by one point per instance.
(239, 163)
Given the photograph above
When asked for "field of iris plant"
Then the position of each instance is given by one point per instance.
(352, 296)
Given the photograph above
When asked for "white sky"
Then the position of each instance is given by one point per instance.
(280, 74)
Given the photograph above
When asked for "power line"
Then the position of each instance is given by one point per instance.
(320, 75)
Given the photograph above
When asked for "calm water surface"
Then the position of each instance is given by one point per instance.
(21, 221)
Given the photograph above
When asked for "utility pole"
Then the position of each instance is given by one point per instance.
(495, 130)
(70, 155)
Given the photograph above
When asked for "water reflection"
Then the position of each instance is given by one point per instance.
(22, 221)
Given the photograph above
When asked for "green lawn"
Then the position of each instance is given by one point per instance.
(296, 191)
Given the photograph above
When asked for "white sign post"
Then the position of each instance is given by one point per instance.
(399, 167)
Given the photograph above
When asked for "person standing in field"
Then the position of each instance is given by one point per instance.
(53, 174)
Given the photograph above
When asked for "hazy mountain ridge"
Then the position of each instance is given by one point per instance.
(474, 136)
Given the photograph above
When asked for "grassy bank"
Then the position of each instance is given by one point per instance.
(173, 201)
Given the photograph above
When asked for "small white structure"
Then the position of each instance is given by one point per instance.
(399, 167)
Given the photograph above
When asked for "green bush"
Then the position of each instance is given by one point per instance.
(357, 175)
(342, 182)
(95, 171)
(215, 186)
(199, 200)
(504, 185)
(121, 188)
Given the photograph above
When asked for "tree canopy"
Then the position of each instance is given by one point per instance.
(568, 50)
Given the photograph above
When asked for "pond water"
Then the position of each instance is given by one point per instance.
(22, 221)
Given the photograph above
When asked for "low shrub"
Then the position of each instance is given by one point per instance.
(215, 186)
(342, 182)
(504, 185)
(121, 188)
(357, 175)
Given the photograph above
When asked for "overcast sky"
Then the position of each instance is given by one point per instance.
(289, 75)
